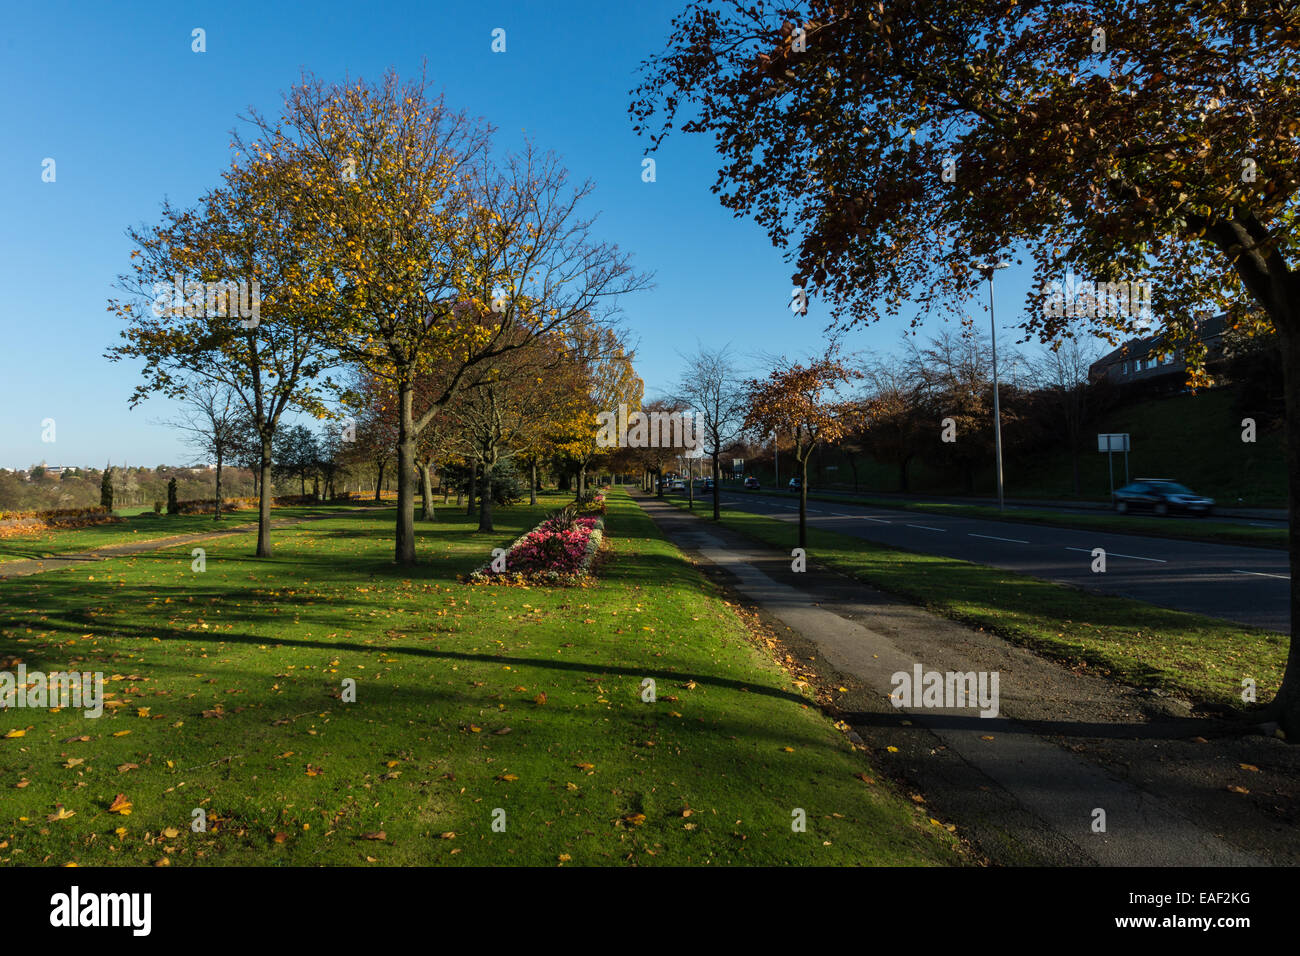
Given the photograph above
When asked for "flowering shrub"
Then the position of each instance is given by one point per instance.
(560, 550)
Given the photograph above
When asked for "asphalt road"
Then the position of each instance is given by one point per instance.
(1247, 585)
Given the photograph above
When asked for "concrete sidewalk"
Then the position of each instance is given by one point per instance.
(1023, 786)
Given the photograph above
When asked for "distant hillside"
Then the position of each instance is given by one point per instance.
(1195, 439)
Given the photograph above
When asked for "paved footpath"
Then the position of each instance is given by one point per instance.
(1024, 785)
(19, 569)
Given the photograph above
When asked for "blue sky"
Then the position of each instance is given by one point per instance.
(113, 93)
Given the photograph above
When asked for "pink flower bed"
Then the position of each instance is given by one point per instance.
(547, 548)
(559, 551)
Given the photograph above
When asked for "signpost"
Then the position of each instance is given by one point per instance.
(1111, 443)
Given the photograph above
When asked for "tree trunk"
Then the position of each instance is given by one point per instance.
(1285, 708)
(485, 501)
(582, 480)
(803, 502)
(404, 544)
(902, 473)
(717, 488)
(532, 482)
(217, 515)
(264, 503)
(379, 482)
(426, 492)
(473, 489)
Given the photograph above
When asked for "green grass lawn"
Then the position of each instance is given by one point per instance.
(1188, 529)
(140, 527)
(469, 701)
(1139, 643)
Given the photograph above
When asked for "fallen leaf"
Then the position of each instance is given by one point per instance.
(376, 835)
(60, 814)
(120, 805)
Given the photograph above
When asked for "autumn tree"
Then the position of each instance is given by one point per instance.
(227, 293)
(606, 381)
(373, 420)
(653, 459)
(1128, 140)
(711, 387)
(210, 423)
(799, 401)
(1061, 377)
(438, 251)
(297, 455)
(503, 400)
(952, 378)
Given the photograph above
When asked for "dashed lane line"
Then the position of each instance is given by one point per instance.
(1116, 554)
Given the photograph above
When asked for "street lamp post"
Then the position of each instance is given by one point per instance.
(776, 463)
(987, 269)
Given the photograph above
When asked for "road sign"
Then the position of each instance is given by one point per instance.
(1111, 443)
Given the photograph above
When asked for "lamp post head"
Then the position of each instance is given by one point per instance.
(986, 269)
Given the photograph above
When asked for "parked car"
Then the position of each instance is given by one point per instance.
(1162, 496)
(795, 484)
(708, 485)
(752, 483)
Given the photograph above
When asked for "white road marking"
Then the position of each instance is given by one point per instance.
(1116, 554)
(994, 537)
(1284, 577)
(926, 527)
(1257, 524)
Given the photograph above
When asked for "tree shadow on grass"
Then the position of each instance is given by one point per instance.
(64, 608)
